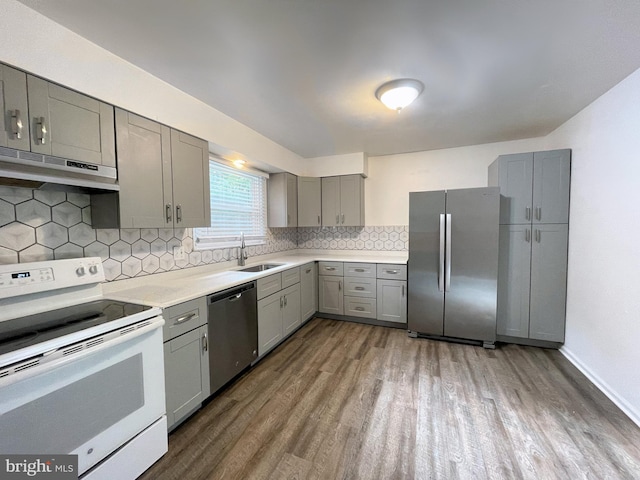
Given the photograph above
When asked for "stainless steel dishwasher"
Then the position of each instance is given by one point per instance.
(233, 333)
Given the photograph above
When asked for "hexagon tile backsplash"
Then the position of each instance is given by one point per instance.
(38, 225)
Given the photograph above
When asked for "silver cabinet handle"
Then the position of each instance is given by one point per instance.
(391, 272)
(285, 300)
(308, 270)
(339, 286)
(359, 309)
(185, 318)
(168, 209)
(330, 269)
(205, 342)
(527, 235)
(441, 264)
(538, 235)
(288, 219)
(527, 213)
(359, 288)
(403, 290)
(236, 297)
(358, 269)
(343, 218)
(16, 124)
(41, 130)
(318, 219)
(178, 213)
(538, 213)
(447, 278)
(338, 219)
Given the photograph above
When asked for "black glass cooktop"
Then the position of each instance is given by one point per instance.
(33, 329)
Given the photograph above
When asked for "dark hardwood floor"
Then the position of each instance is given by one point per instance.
(346, 400)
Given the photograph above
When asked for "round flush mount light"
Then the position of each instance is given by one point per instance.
(397, 94)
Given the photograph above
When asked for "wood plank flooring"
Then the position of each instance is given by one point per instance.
(343, 400)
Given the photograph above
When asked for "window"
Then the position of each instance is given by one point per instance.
(238, 205)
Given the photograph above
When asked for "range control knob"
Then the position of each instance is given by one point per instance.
(80, 271)
(93, 269)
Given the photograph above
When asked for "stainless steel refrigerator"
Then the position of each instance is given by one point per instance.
(453, 264)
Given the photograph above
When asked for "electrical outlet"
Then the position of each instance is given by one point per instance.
(179, 253)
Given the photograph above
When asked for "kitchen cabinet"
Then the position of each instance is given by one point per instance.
(532, 266)
(279, 308)
(186, 359)
(391, 297)
(282, 200)
(330, 297)
(68, 124)
(534, 187)
(175, 169)
(308, 290)
(309, 202)
(14, 121)
(343, 201)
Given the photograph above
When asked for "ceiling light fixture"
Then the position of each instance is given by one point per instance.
(397, 94)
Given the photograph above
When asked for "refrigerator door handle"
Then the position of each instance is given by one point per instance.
(441, 264)
(447, 278)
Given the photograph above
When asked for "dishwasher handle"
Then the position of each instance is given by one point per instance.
(231, 294)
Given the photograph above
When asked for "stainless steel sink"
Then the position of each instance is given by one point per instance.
(260, 268)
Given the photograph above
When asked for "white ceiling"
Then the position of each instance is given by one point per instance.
(304, 72)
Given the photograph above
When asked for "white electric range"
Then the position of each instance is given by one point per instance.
(79, 374)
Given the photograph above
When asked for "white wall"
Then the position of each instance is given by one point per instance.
(351, 163)
(392, 177)
(603, 304)
(36, 44)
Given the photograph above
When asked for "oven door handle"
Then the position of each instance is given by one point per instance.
(57, 359)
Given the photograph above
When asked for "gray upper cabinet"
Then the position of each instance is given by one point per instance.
(190, 174)
(282, 201)
(534, 186)
(343, 201)
(68, 124)
(163, 176)
(14, 121)
(309, 202)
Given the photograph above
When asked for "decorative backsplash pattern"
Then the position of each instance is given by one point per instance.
(38, 225)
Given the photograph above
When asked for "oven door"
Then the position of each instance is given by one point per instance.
(88, 403)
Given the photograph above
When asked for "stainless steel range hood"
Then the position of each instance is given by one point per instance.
(31, 170)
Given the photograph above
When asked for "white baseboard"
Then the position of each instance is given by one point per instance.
(628, 409)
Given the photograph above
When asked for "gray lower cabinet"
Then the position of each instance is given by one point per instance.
(309, 202)
(68, 124)
(308, 291)
(282, 200)
(186, 359)
(330, 296)
(391, 300)
(532, 281)
(163, 176)
(14, 121)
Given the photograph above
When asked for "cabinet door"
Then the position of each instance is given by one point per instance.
(292, 200)
(551, 172)
(351, 200)
(291, 309)
(77, 127)
(14, 121)
(190, 174)
(514, 273)
(269, 322)
(392, 301)
(548, 282)
(330, 201)
(330, 296)
(308, 291)
(516, 188)
(144, 171)
(309, 202)
(186, 362)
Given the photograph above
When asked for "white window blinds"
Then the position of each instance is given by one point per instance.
(238, 205)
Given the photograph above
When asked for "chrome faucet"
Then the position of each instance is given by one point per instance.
(242, 251)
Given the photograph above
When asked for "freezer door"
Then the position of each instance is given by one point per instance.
(471, 288)
(426, 257)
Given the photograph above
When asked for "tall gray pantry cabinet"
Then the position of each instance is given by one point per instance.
(534, 229)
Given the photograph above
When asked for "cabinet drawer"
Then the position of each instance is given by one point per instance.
(367, 270)
(290, 277)
(269, 285)
(183, 317)
(360, 307)
(360, 287)
(330, 268)
(392, 272)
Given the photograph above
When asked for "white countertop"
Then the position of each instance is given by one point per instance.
(170, 288)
